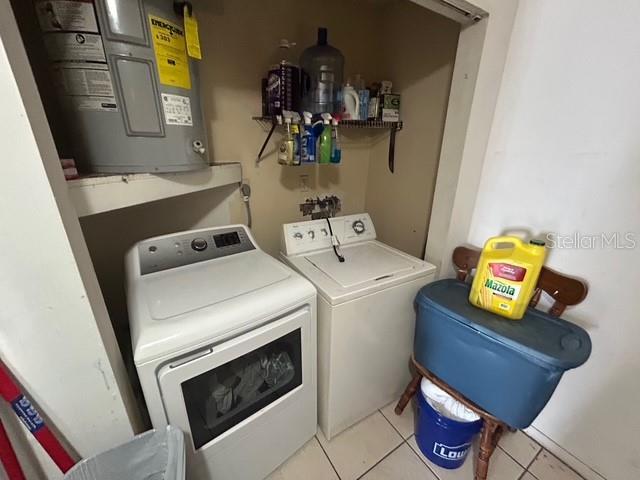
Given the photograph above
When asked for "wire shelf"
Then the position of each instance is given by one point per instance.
(270, 123)
(376, 124)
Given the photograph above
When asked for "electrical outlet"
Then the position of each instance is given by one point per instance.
(304, 183)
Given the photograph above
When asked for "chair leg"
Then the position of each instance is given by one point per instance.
(491, 432)
(497, 434)
(409, 392)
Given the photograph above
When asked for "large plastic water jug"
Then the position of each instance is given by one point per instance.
(322, 72)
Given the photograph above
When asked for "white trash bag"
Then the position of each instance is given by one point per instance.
(445, 404)
(152, 455)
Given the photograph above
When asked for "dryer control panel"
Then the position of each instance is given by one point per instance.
(303, 237)
(186, 248)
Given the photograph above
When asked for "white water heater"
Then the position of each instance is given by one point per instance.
(127, 87)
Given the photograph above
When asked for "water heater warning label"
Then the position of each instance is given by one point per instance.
(75, 47)
(85, 79)
(101, 104)
(177, 110)
(60, 15)
(86, 86)
(171, 53)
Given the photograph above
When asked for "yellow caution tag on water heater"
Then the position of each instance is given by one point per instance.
(191, 33)
(171, 53)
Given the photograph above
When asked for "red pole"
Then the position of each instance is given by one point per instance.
(8, 457)
(31, 418)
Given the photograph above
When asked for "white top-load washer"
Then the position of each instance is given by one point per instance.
(366, 316)
(224, 341)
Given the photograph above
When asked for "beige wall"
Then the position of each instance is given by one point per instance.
(394, 40)
(418, 56)
(238, 39)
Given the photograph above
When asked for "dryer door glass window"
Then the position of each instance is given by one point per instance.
(222, 397)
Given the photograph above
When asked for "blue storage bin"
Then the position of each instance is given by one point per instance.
(510, 368)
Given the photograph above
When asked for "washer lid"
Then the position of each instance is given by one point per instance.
(363, 263)
(192, 287)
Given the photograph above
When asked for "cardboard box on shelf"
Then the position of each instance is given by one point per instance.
(391, 107)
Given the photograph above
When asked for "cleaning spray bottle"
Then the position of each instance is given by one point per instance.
(308, 146)
(324, 156)
(336, 149)
(285, 152)
(297, 139)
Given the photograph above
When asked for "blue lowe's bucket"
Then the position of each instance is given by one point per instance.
(443, 440)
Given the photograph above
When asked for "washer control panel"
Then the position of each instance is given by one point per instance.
(302, 237)
(186, 248)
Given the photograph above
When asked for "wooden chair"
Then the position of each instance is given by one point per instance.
(565, 291)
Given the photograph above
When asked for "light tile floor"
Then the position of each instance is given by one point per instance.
(383, 447)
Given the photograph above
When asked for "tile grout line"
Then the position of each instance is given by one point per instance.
(595, 472)
(328, 458)
(533, 460)
(526, 467)
(435, 474)
(379, 461)
(526, 470)
(429, 467)
(559, 460)
(514, 458)
(392, 425)
(406, 441)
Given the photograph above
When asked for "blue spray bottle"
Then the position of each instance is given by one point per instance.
(336, 148)
(308, 151)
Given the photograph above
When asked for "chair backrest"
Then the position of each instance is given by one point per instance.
(565, 291)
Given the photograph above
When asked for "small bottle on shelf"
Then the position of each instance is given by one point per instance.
(324, 156)
(285, 152)
(297, 139)
(336, 149)
(308, 141)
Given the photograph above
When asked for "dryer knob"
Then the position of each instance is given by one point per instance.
(312, 234)
(297, 236)
(199, 244)
(358, 226)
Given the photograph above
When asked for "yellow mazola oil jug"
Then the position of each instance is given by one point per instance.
(506, 275)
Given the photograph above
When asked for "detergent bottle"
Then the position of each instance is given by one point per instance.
(507, 275)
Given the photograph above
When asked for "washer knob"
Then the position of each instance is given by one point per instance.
(199, 244)
(358, 227)
(324, 232)
(297, 236)
(312, 234)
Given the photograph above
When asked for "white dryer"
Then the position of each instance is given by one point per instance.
(224, 341)
(366, 315)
